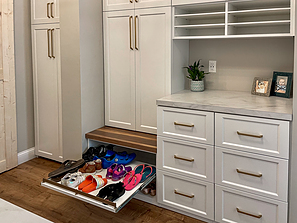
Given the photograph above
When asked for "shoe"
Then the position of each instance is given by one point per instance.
(72, 180)
(89, 167)
(138, 169)
(98, 165)
(110, 170)
(94, 152)
(67, 166)
(92, 182)
(133, 182)
(147, 172)
(120, 171)
(112, 192)
(118, 158)
(153, 191)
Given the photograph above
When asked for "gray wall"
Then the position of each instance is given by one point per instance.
(24, 77)
(240, 60)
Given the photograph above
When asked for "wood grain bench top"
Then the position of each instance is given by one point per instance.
(127, 138)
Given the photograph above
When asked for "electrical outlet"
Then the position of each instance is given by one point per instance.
(212, 66)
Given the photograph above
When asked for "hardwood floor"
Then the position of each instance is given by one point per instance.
(21, 186)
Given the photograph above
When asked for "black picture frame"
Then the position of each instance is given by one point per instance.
(282, 84)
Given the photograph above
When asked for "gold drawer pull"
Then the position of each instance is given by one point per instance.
(249, 135)
(249, 214)
(131, 1)
(185, 159)
(185, 195)
(47, 10)
(183, 124)
(249, 173)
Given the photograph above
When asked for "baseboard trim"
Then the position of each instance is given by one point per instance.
(26, 155)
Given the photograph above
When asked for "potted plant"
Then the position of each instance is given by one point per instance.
(196, 75)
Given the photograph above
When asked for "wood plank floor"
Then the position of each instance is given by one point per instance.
(21, 186)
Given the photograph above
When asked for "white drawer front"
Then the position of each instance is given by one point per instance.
(257, 135)
(186, 124)
(257, 174)
(236, 206)
(193, 196)
(186, 158)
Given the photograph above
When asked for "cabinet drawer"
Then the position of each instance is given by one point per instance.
(236, 206)
(265, 176)
(257, 135)
(193, 196)
(186, 158)
(191, 125)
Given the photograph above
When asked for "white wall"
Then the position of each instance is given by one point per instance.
(24, 77)
(240, 60)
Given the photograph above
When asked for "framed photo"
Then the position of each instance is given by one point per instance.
(281, 84)
(262, 86)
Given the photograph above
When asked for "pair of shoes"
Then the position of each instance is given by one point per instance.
(66, 167)
(150, 189)
(138, 175)
(112, 192)
(116, 172)
(92, 182)
(118, 158)
(92, 167)
(72, 179)
(95, 152)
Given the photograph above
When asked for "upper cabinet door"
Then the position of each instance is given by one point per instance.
(109, 5)
(151, 3)
(44, 11)
(153, 64)
(119, 69)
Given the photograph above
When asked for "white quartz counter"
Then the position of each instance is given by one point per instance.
(231, 102)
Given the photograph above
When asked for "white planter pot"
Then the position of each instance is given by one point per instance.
(197, 85)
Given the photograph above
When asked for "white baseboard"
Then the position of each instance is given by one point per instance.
(26, 155)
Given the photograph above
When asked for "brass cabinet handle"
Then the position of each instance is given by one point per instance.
(48, 44)
(249, 135)
(249, 214)
(52, 10)
(130, 31)
(185, 195)
(136, 0)
(249, 173)
(185, 159)
(47, 10)
(52, 37)
(136, 47)
(183, 124)
(131, 1)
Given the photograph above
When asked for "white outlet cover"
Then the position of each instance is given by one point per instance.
(212, 66)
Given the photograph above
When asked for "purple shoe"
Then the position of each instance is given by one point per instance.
(120, 171)
(109, 172)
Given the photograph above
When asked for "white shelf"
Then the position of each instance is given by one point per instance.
(271, 23)
(194, 15)
(200, 26)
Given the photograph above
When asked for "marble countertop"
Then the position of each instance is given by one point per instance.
(231, 102)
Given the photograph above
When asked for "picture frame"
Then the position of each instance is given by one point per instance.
(261, 86)
(282, 84)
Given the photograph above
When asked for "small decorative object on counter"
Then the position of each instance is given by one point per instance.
(281, 84)
(261, 86)
(196, 75)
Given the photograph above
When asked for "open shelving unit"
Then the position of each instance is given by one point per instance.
(229, 19)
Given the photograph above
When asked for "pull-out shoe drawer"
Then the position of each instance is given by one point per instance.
(186, 124)
(190, 159)
(257, 135)
(91, 198)
(186, 194)
(261, 175)
(241, 207)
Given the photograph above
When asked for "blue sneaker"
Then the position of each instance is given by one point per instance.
(118, 158)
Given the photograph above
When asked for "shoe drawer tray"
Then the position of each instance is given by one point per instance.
(91, 198)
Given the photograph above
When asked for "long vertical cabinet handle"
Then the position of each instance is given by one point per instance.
(136, 0)
(47, 10)
(136, 45)
(131, 1)
(130, 31)
(52, 15)
(52, 37)
(48, 44)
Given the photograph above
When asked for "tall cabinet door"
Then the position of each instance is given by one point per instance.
(109, 5)
(47, 90)
(119, 65)
(44, 11)
(153, 64)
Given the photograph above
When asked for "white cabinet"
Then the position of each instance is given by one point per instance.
(47, 90)
(44, 11)
(137, 66)
(110, 5)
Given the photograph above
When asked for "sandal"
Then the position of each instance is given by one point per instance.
(120, 171)
(138, 169)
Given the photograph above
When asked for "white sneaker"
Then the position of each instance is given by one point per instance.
(72, 180)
